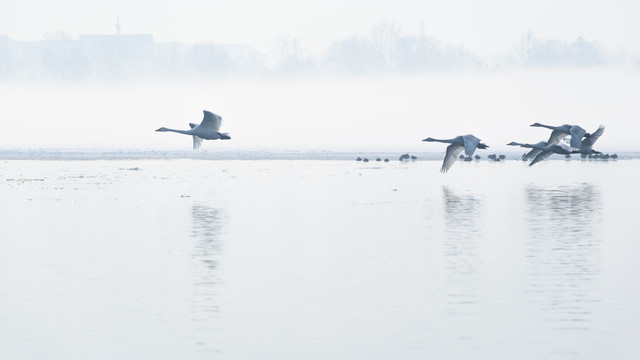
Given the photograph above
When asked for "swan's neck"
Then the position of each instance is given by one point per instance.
(186, 132)
(440, 140)
(544, 126)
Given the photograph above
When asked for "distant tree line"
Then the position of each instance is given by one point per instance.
(534, 52)
(384, 50)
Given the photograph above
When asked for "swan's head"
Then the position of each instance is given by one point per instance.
(224, 136)
(162, 129)
(428, 139)
(513, 143)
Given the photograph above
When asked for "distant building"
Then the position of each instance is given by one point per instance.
(117, 55)
(123, 56)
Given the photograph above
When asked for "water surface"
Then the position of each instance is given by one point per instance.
(289, 259)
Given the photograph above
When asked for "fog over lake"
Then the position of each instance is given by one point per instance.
(327, 114)
(323, 228)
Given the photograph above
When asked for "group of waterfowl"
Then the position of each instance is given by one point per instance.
(494, 157)
(402, 158)
(580, 142)
(365, 159)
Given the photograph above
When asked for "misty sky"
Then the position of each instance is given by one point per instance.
(496, 108)
(487, 27)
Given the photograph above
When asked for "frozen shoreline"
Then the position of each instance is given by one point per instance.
(392, 155)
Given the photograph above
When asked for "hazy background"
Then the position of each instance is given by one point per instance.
(317, 74)
(484, 27)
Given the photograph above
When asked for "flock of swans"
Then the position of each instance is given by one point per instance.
(580, 141)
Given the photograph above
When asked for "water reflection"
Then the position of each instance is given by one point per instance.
(207, 225)
(562, 250)
(461, 212)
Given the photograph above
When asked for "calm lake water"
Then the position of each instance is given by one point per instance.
(319, 259)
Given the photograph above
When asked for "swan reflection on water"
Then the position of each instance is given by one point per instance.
(563, 251)
(461, 212)
(207, 226)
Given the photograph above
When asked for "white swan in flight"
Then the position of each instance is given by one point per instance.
(560, 132)
(468, 143)
(535, 149)
(544, 150)
(588, 141)
(209, 129)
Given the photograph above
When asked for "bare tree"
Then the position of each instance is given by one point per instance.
(291, 56)
(384, 38)
(522, 49)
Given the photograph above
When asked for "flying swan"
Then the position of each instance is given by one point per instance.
(544, 151)
(590, 139)
(468, 143)
(209, 129)
(560, 132)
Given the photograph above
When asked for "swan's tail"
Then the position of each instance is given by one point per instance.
(482, 146)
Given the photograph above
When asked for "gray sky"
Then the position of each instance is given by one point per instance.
(487, 27)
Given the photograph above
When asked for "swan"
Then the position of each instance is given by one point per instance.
(208, 129)
(544, 150)
(560, 132)
(468, 143)
(588, 141)
(535, 149)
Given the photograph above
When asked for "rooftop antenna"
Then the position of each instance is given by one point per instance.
(118, 26)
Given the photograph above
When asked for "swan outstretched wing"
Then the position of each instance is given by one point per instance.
(453, 151)
(470, 144)
(541, 156)
(537, 149)
(196, 140)
(531, 154)
(589, 141)
(211, 121)
(556, 136)
(576, 136)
